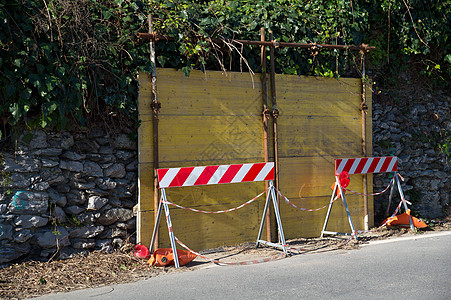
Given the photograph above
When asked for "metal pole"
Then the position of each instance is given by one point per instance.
(346, 207)
(157, 37)
(262, 223)
(155, 109)
(155, 228)
(279, 221)
(171, 232)
(403, 201)
(329, 209)
(392, 191)
(275, 113)
(265, 124)
(364, 111)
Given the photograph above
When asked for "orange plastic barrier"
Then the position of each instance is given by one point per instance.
(165, 257)
(403, 221)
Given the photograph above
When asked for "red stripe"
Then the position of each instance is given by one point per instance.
(253, 172)
(230, 173)
(206, 175)
(337, 164)
(270, 175)
(349, 164)
(385, 164)
(373, 164)
(181, 177)
(361, 165)
(395, 166)
(161, 173)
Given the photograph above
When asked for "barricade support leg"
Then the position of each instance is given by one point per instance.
(328, 210)
(401, 194)
(156, 226)
(170, 230)
(272, 194)
(163, 205)
(348, 213)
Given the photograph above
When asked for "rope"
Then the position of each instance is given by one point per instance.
(250, 262)
(374, 194)
(219, 211)
(305, 209)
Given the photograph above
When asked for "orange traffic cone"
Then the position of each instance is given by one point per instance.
(402, 220)
(165, 257)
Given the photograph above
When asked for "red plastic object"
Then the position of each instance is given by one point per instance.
(344, 182)
(344, 179)
(141, 251)
(164, 257)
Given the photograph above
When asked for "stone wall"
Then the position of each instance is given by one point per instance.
(68, 193)
(412, 124)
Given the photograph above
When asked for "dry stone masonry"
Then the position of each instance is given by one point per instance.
(413, 127)
(68, 193)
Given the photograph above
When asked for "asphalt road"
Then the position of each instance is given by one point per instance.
(417, 267)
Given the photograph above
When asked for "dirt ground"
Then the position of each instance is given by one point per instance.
(32, 279)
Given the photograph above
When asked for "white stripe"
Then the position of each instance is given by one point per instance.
(264, 172)
(168, 177)
(379, 165)
(367, 165)
(218, 174)
(392, 164)
(341, 166)
(241, 173)
(354, 165)
(195, 173)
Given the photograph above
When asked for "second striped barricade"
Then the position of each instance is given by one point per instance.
(365, 165)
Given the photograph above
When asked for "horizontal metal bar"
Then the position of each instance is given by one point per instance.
(271, 244)
(154, 36)
(337, 233)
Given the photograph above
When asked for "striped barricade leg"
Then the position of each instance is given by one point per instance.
(272, 195)
(348, 213)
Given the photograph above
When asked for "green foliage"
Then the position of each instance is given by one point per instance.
(69, 60)
(76, 61)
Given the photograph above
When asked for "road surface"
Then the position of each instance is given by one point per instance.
(415, 267)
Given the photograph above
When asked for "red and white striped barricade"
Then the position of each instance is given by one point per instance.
(222, 174)
(365, 165)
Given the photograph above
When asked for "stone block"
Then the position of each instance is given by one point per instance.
(30, 221)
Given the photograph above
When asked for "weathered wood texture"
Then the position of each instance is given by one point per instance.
(214, 118)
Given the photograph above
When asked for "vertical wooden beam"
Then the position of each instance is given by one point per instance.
(265, 125)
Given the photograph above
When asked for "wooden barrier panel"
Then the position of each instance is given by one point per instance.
(214, 118)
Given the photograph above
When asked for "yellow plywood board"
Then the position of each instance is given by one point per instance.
(214, 118)
(202, 122)
(306, 182)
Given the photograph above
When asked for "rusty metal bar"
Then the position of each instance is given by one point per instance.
(265, 125)
(158, 37)
(275, 115)
(155, 110)
(364, 111)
